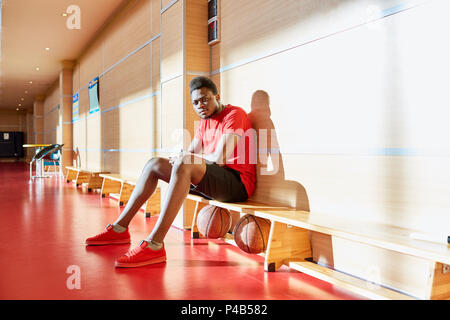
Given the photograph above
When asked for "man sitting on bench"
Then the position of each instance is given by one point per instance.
(218, 165)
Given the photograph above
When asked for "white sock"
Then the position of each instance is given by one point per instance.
(118, 228)
(153, 244)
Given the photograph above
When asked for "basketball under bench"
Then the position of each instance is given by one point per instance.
(123, 187)
(372, 260)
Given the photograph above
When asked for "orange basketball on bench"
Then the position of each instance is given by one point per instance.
(252, 233)
(213, 222)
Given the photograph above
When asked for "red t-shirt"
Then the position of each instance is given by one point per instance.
(232, 120)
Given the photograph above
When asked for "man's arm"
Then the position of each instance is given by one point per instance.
(224, 149)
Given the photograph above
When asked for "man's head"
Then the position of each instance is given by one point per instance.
(205, 97)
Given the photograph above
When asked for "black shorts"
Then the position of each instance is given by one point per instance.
(221, 184)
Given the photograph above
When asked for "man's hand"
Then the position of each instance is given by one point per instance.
(173, 159)
(187, 157)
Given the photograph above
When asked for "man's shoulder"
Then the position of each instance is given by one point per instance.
(235, 110)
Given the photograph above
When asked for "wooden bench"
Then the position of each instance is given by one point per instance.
(416, 268)
(90, 177)
(123, 187)
(401, 268)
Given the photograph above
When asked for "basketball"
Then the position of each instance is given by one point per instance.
(213, 222)
(252, 233)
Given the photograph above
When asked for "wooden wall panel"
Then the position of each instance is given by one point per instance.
(171, 42)
(76, 78)
(130, 29)
(29, 135)
(111, 129)
(191, 118)
(78, 143)
(118, 138)
(246, 32)
(91, 63)
(80, 129)
(135, 129)
(83, 103)
(94, 159)
(156, 64)
(196, 42)
(157, 122)
(52, 98)
(352, 126)
(111, 161)
(132, 163)
(128, 81)
(172, 115)
(165, 3)
(155, 17)
(11, 121)
(51, 114)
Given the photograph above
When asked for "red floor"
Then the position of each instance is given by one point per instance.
(44, 225)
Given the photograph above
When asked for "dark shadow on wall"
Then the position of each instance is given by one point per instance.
(271, 185)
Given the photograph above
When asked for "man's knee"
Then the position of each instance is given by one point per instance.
(183, 165)
(155, 164)
(190, 167)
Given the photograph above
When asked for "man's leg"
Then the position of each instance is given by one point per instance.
(117, 233)
(185, 171)
(155, 169)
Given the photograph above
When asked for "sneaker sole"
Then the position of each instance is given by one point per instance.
(140, 264)
(102, 243)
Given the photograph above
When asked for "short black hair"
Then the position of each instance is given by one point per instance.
(203, 82)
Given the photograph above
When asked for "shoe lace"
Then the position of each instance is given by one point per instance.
(134, 251)
(105, 231)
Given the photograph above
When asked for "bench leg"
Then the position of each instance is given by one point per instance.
(95, 181)
(153, 205)
(440, 283)
(286, 243)
(194, 230)
(110, 186)
(125, 193)
(71, 175)
(82, 177)
(195, 234)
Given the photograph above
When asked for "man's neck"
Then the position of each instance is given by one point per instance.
(219, 109)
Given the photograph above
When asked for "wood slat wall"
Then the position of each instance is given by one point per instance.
(348, 101)
(51, 115)
(119, 137)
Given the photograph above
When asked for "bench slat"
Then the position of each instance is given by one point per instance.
(243, 207)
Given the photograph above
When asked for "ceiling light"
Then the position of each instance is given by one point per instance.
(47, 49)
(17, 109)
(64, 14)
(37, 68)
(20, 105)
(31, 82)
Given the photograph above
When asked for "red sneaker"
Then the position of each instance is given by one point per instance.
(109, 236)
(141, 256)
